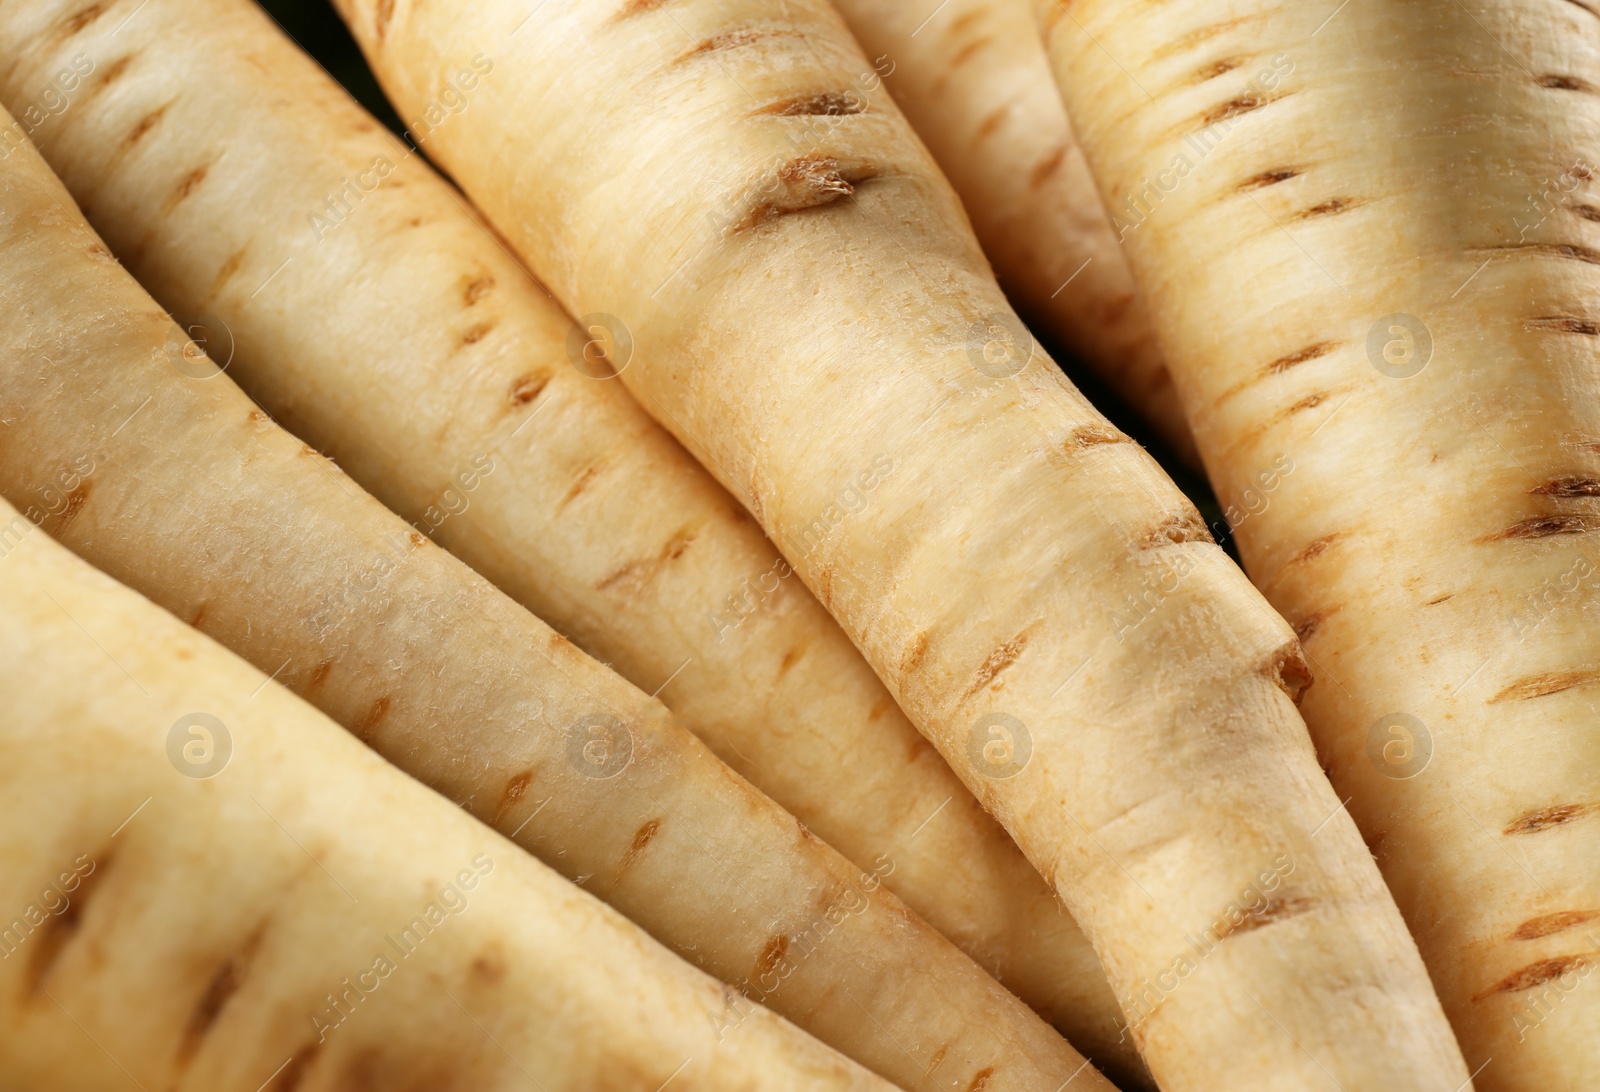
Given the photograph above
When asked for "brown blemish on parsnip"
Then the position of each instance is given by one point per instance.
(319, 674)
(1545, 818)
(225, 982)
(677, 544)
(1331, 207)
(51, 939)
(144, 125)
(961, 23)
(417, 539)
(1569, 485)
(199, 615)
(229, 268)
(809, 182)
(526, 388)
(996, 662)
(1568, 251)
(1440, 599)
(1558, 82)
(114, 70)
(78, 20)
(1536, 527)
(1091, 435)
(790, 658)
(879, 708)
(1273, 911)
(981, 1079)
(823, 104)
(477, 288)
(1200, 36)
(1315, 548)
(1307, 627)
(1545, 684)
(513, 792)
(911, 658)
(380, 18)
(738, 39)
(1564, 324)
(581, 483)
(824, 588)
(1588, 212)
(1237, 107)
(74, 505)
(991, 122)
(186, 185)
(639, 7)
(1550, 924)
(368, 722)
(1533, 975)
(476, 332)
(1279, 365)
(1300, 356)
(1310, 401)
(489, 966)
(771, 957)
(641, 838)
(1287, 668)
(970, 50)
(1181, 528)
(1267, 178)
(1047, 167)
(671, 550)
(1213, 70)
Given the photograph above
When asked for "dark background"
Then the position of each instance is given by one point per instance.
(314, 24)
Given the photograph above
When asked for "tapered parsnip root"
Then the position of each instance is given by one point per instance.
(1002, 572)
(443, 384)
(177, 483)
(305, 916)
(1371, 248)
(973, 80)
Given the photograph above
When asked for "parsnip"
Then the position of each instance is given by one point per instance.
(973, 80)
(1369, 237)
(808, 309)
(307, 917)
(443, 385)
(177, 483)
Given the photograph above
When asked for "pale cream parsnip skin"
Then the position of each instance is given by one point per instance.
(136, 454)
(804, 314)
(973, 80)
(305, 917)
(360, 304)
(1383, 265)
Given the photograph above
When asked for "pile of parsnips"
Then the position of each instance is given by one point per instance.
(800, 684)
